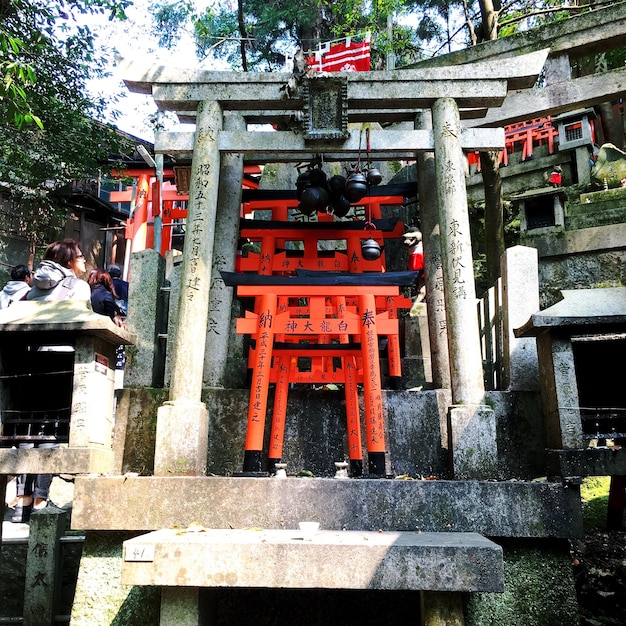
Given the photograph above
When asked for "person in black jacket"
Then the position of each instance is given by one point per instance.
(120, 286)
(103, 296)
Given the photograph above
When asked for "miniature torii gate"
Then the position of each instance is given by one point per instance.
(221, 104)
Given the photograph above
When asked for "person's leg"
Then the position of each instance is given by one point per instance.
(24, 493)
(24, 488)
(24, 483)
(41, 489)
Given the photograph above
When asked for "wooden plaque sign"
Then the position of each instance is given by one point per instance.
(326, 108)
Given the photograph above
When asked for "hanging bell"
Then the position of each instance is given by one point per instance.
(340, 205)
(373, 176)
(313, 199)
(336, 185)
(317, 177)
(356, 187)
(370, 249)
(303, 181)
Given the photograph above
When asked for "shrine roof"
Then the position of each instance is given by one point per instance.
(580, 311)
(59, 316)
(474, 86)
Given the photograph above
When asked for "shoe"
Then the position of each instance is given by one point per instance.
(22, 514)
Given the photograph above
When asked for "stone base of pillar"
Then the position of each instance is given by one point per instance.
(43, 565)
(180, 606)
(472, 441)
(181, 439)
(442, 609)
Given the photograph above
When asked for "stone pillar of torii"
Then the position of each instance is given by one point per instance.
(319, 114)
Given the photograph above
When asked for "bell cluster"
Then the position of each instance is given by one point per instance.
(316, 192)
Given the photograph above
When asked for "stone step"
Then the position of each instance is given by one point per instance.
(255, 558)
(490, 508)
(62, 460)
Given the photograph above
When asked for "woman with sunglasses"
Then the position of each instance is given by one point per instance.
(56, 277)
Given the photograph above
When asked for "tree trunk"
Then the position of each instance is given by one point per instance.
(494, 222)
(489, 20)
(611, 126)
(244, 35)
(490, 168)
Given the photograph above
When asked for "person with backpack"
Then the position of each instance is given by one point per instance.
(17, 287)
(56, 278)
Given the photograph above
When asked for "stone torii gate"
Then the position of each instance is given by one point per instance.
(222, 105)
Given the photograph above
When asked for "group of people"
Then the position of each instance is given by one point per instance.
(57, 277)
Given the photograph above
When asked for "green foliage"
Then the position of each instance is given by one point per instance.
(525, 14)
(168, 19)
(594, 493)
(35, 39)
(264, 31)
(48, 136)
(615, 58)
(267, 31)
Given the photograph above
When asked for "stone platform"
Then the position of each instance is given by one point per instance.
(286, 559)
(62, 460)
(490, 508)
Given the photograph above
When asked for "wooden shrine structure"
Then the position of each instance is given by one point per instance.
(222, 105)
(323, 114)
(484, 454)
(211, 544)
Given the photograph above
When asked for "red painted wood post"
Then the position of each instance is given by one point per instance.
(353, 413)
(374, 420)
(617, 500)
(353, 417)
(393, 341)
(353, 247)
(140, 214)
(260, 382)
(286, 364)
(266, 261)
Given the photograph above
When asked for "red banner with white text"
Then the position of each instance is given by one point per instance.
(342, 56)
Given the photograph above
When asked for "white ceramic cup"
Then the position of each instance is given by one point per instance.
(308, 529)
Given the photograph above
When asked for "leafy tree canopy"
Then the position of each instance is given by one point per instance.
(49, 135)
(255, 35)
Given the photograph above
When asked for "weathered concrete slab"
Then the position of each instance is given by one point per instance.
(594, 32)
(356, 115)
(475, 82)
(587, 462)
(407, 90)
(383, 143)
(594, 240)
(61, 316)
(597, 198)
(283, 559)
(590, 33)
(56, 461)
(581, 308)
(493, 509)
(555, 99)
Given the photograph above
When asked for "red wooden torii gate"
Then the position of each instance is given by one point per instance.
(321, 317)
(146, 199)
